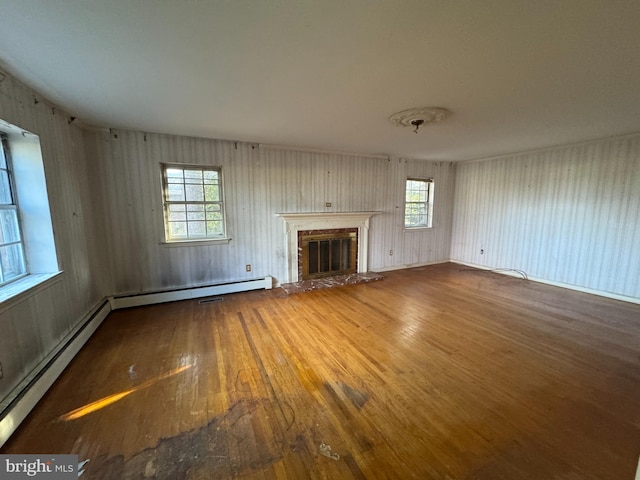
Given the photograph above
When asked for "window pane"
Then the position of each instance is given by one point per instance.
(415, 220)
(5, 190)
(210, 176)
(12, 261)
(195, 212)
(416, 208)
(175, 192)
(3, 160)
(174, 173)
(417, 191)
(9, 231)
(211, 193)
(194, 193)
(196, 229)
(193, 176)
(214, 228)
(195, 215)
(214, 212)
(177, 212)
(177, 230)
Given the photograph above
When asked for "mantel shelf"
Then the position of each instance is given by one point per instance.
(298, 215)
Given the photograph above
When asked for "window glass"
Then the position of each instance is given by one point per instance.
(193, 204)
(12, 262)
(418, 203)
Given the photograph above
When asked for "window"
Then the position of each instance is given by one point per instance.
(27, 245)
(418, 206)
(193, 206)
(12, 259)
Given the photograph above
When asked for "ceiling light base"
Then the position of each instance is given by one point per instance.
(419, 117)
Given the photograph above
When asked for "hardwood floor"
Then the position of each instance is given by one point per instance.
(432, 373)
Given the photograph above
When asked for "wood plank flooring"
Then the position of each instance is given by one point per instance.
(437, 372)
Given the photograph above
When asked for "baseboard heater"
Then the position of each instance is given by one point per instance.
(29, 392)
(15, 408)
(137, 300)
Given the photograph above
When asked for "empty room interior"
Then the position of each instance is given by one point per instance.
(321, 239)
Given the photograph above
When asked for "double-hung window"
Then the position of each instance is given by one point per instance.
(418, 206)
(193, 203)
(27, 245)
(12, 258)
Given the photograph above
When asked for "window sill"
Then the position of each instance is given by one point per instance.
(16, 292)
(197, 243)
(414, 229)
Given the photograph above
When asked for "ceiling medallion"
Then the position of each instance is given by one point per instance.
(418, 117)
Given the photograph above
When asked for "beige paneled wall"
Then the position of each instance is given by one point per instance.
(32, 328)
(260, 181)
(567, 215)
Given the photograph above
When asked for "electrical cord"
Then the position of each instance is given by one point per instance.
(496, 270)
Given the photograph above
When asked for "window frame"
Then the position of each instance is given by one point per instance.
(425, 206)
(31, 195)
(15, 207)
(169, 240)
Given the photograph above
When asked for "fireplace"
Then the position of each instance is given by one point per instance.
(356, 224)
(322, 253)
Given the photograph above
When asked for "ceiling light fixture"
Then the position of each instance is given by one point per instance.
(418, 117)
(417, 122)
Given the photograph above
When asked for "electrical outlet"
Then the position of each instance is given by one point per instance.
(482, 251)
(390, 252)
(327, 204)
(248, 267)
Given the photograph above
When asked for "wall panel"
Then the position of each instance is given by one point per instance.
(567, 215)
(260, 181)
(32, 328)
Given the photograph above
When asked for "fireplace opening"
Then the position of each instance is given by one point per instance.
(327, 252)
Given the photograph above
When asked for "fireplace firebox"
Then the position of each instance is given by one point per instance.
(327, 252)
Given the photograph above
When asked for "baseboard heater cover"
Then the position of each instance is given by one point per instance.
(45, 374)
(127, 301)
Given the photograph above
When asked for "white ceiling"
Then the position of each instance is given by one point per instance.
(516, 74)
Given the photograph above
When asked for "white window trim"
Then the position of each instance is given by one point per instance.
(4, 139)
(190, 242)
(196, 242)
(36, 227)
(430, 201)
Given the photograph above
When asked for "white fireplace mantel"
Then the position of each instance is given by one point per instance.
(294, 222)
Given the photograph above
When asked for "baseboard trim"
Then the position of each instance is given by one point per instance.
(613, 296)
(405, 267)
(32, 389)
(138, 300)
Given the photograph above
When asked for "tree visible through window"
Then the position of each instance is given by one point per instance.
(418, 206)
(193, 205)
(12, 262)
